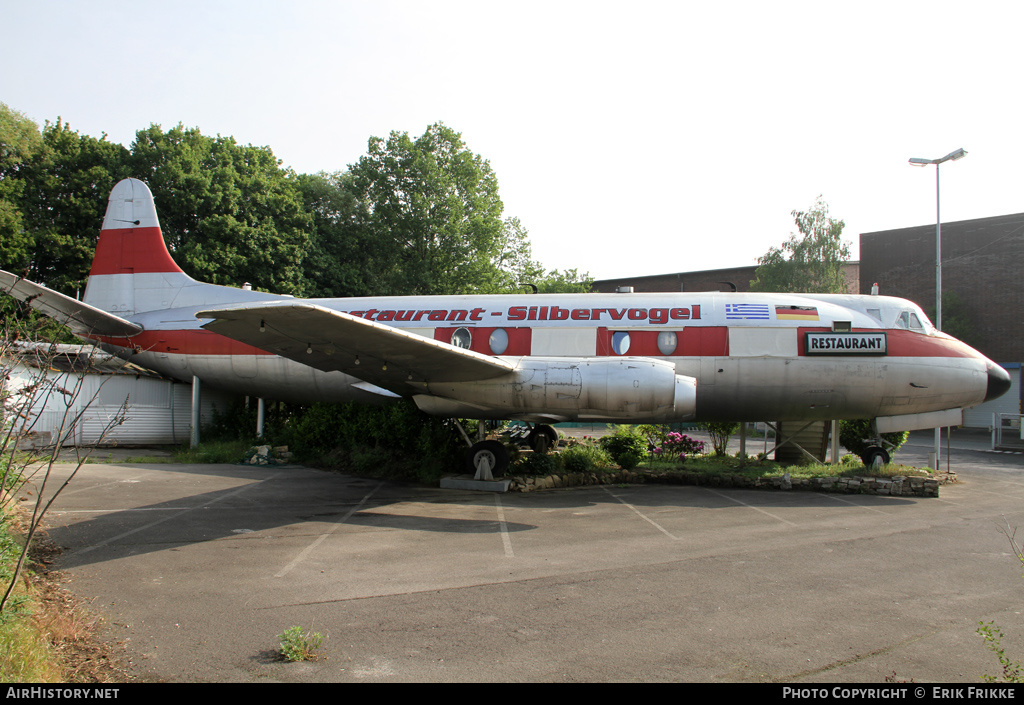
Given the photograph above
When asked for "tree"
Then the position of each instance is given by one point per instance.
(434, 210)
(812, 263)
(568, 281)
(957, 318)
(341, 252)
(20, 140)
(229, 213)
(61, 193)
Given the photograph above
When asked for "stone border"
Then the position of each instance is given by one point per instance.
(896, 486)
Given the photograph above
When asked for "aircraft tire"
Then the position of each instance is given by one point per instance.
(873, 454)
(488, 451)
(542, 438)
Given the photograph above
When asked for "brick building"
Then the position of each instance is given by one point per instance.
(982, 266)
(733, 279)
(982, 270)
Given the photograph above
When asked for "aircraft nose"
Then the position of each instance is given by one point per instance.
(998, 382)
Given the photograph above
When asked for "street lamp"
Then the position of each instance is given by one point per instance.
(952, 156)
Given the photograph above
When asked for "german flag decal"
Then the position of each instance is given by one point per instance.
(796, 313)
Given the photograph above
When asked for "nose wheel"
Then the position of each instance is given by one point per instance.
(875, 457)
(487, 460)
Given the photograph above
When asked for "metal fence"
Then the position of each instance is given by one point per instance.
(1007, 432)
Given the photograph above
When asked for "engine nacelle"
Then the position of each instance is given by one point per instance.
(624, 389)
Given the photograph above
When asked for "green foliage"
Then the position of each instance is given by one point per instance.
(214, 451)
(853, 435)
(19, 138)
(812, 263)
(61, 194)
(434, 208)
(569, 281)
(392, 439)
(630, 459)
(583, 457)
(342, 255)
(625, 445)
(19, 141)
(10, 549)
(299, 645)
(538, 464)
(229, 213)
(1012, 671)
(676, 447)
(720, 432)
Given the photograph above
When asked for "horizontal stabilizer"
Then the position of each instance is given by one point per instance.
(334, 341)
(81, 318)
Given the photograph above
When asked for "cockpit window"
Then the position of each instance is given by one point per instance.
(909, 319)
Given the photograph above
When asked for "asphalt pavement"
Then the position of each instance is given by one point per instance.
(198, 568)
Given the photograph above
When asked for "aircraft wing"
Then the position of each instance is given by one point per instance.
(331, 340)
(80, 317)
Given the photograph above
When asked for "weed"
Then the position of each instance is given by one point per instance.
(299, 645)
(1012, 672)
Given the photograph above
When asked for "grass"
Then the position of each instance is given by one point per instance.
(26, 653)
(213, 452)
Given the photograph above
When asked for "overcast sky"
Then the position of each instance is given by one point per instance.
(629, 138)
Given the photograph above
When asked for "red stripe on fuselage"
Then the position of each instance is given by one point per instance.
(906, 343)
(184, 342)
(132, 251)
(695, 341)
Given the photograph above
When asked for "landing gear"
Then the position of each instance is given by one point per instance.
(542, 438)
(487, 460)
(875, 457)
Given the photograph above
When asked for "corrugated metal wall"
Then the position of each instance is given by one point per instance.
(159, 411)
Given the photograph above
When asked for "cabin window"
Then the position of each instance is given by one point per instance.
(875, 313)
(498, 341)
(462, 338)
(620, 343)
(667, 341)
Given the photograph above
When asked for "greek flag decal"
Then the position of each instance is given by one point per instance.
(757, 312)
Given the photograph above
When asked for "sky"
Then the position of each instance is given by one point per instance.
(629, 138)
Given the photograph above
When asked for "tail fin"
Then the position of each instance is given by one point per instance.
(131, 259)
(132, 271)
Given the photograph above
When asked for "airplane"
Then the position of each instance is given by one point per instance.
(537, 358)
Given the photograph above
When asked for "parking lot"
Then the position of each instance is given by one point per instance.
(198, 568)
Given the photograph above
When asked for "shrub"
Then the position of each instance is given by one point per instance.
(629, 460)
(538, 464)
(852, 435)
(623, 440)
(677, 446)
(584, 458)
(720, 432)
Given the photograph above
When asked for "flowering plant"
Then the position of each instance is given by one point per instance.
(677, 446)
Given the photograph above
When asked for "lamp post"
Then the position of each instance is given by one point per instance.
(952, 156)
